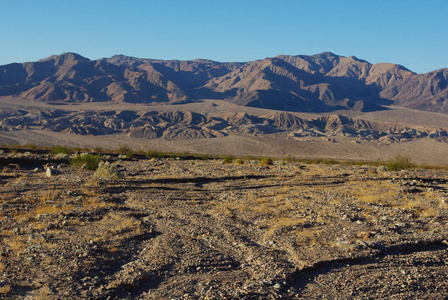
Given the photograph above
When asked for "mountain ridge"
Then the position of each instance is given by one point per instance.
(323, 82)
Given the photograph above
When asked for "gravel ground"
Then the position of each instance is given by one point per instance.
(204, 229)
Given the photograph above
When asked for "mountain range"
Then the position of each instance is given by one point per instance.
(318, 83)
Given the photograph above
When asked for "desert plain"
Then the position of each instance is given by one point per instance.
(209, 228)
(127, 178)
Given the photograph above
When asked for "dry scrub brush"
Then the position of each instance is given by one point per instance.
(106, 170)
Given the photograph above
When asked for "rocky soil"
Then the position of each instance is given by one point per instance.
(204, 229)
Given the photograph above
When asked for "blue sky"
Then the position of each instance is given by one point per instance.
(411, 33)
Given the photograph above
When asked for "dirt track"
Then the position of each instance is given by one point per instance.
(193, 229)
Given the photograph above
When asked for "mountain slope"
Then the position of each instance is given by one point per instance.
(320, 83)
(423, 92)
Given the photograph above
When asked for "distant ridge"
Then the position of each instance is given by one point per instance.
(323, 82)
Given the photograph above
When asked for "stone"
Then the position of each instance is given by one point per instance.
(52, 172)
(278, 286)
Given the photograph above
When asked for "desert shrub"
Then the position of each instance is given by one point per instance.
(106, 170)
(86, 161)
(125, 150)
(228, 159)
(172, 155)
(60, 150)
(155, 154)
(239, 161)
(205, 156)
(288, 159)
(31, 146)
(61, 156)
(98, 149)
(330, 162)
(399, 162)
(266, 162)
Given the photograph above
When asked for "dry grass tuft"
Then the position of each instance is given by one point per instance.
(5, 290)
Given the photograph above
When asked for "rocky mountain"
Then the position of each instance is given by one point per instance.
(319, 83)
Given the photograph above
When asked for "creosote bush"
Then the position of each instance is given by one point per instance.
(125, 150)
(266, 162)
(155, 154)
(60, 150)
(86, 161)
(106, 170)
(239, 161)
(399, 162)
(288, 159)
(228, 159)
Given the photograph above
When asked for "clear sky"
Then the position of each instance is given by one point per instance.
(412, 33)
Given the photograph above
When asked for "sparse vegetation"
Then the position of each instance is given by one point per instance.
(98, 149)
(266, 162)
(106, 170)
(319, 161)
(86, 161)
(289, 159)
(125, 150)
(171, 209)
(239, 161)
(228, 159)
(155, 154)
(399, 162)
(60, 150)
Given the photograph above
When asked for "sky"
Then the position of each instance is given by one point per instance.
(410, 33)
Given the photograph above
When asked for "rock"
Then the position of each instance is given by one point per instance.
(278, 286)
(52, 172)
(364, 235)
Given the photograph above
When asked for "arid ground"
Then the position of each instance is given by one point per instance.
(174, 228)
(222, 128)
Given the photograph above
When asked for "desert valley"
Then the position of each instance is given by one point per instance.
(323, 105)
(291, 177)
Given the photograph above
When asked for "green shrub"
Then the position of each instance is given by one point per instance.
(239, 161)
(106, 170)
(60, 150)
(266, 162)
(331, 162)
(155, 154)
(125, 150)
(288, 159)
(98, 149)
(228, 159)
(86, 161)
(205, 156)
(399, 162)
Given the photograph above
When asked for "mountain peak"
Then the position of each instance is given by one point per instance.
(67, 56)
(321, 82)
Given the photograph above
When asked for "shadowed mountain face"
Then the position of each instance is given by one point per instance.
(319, 83)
